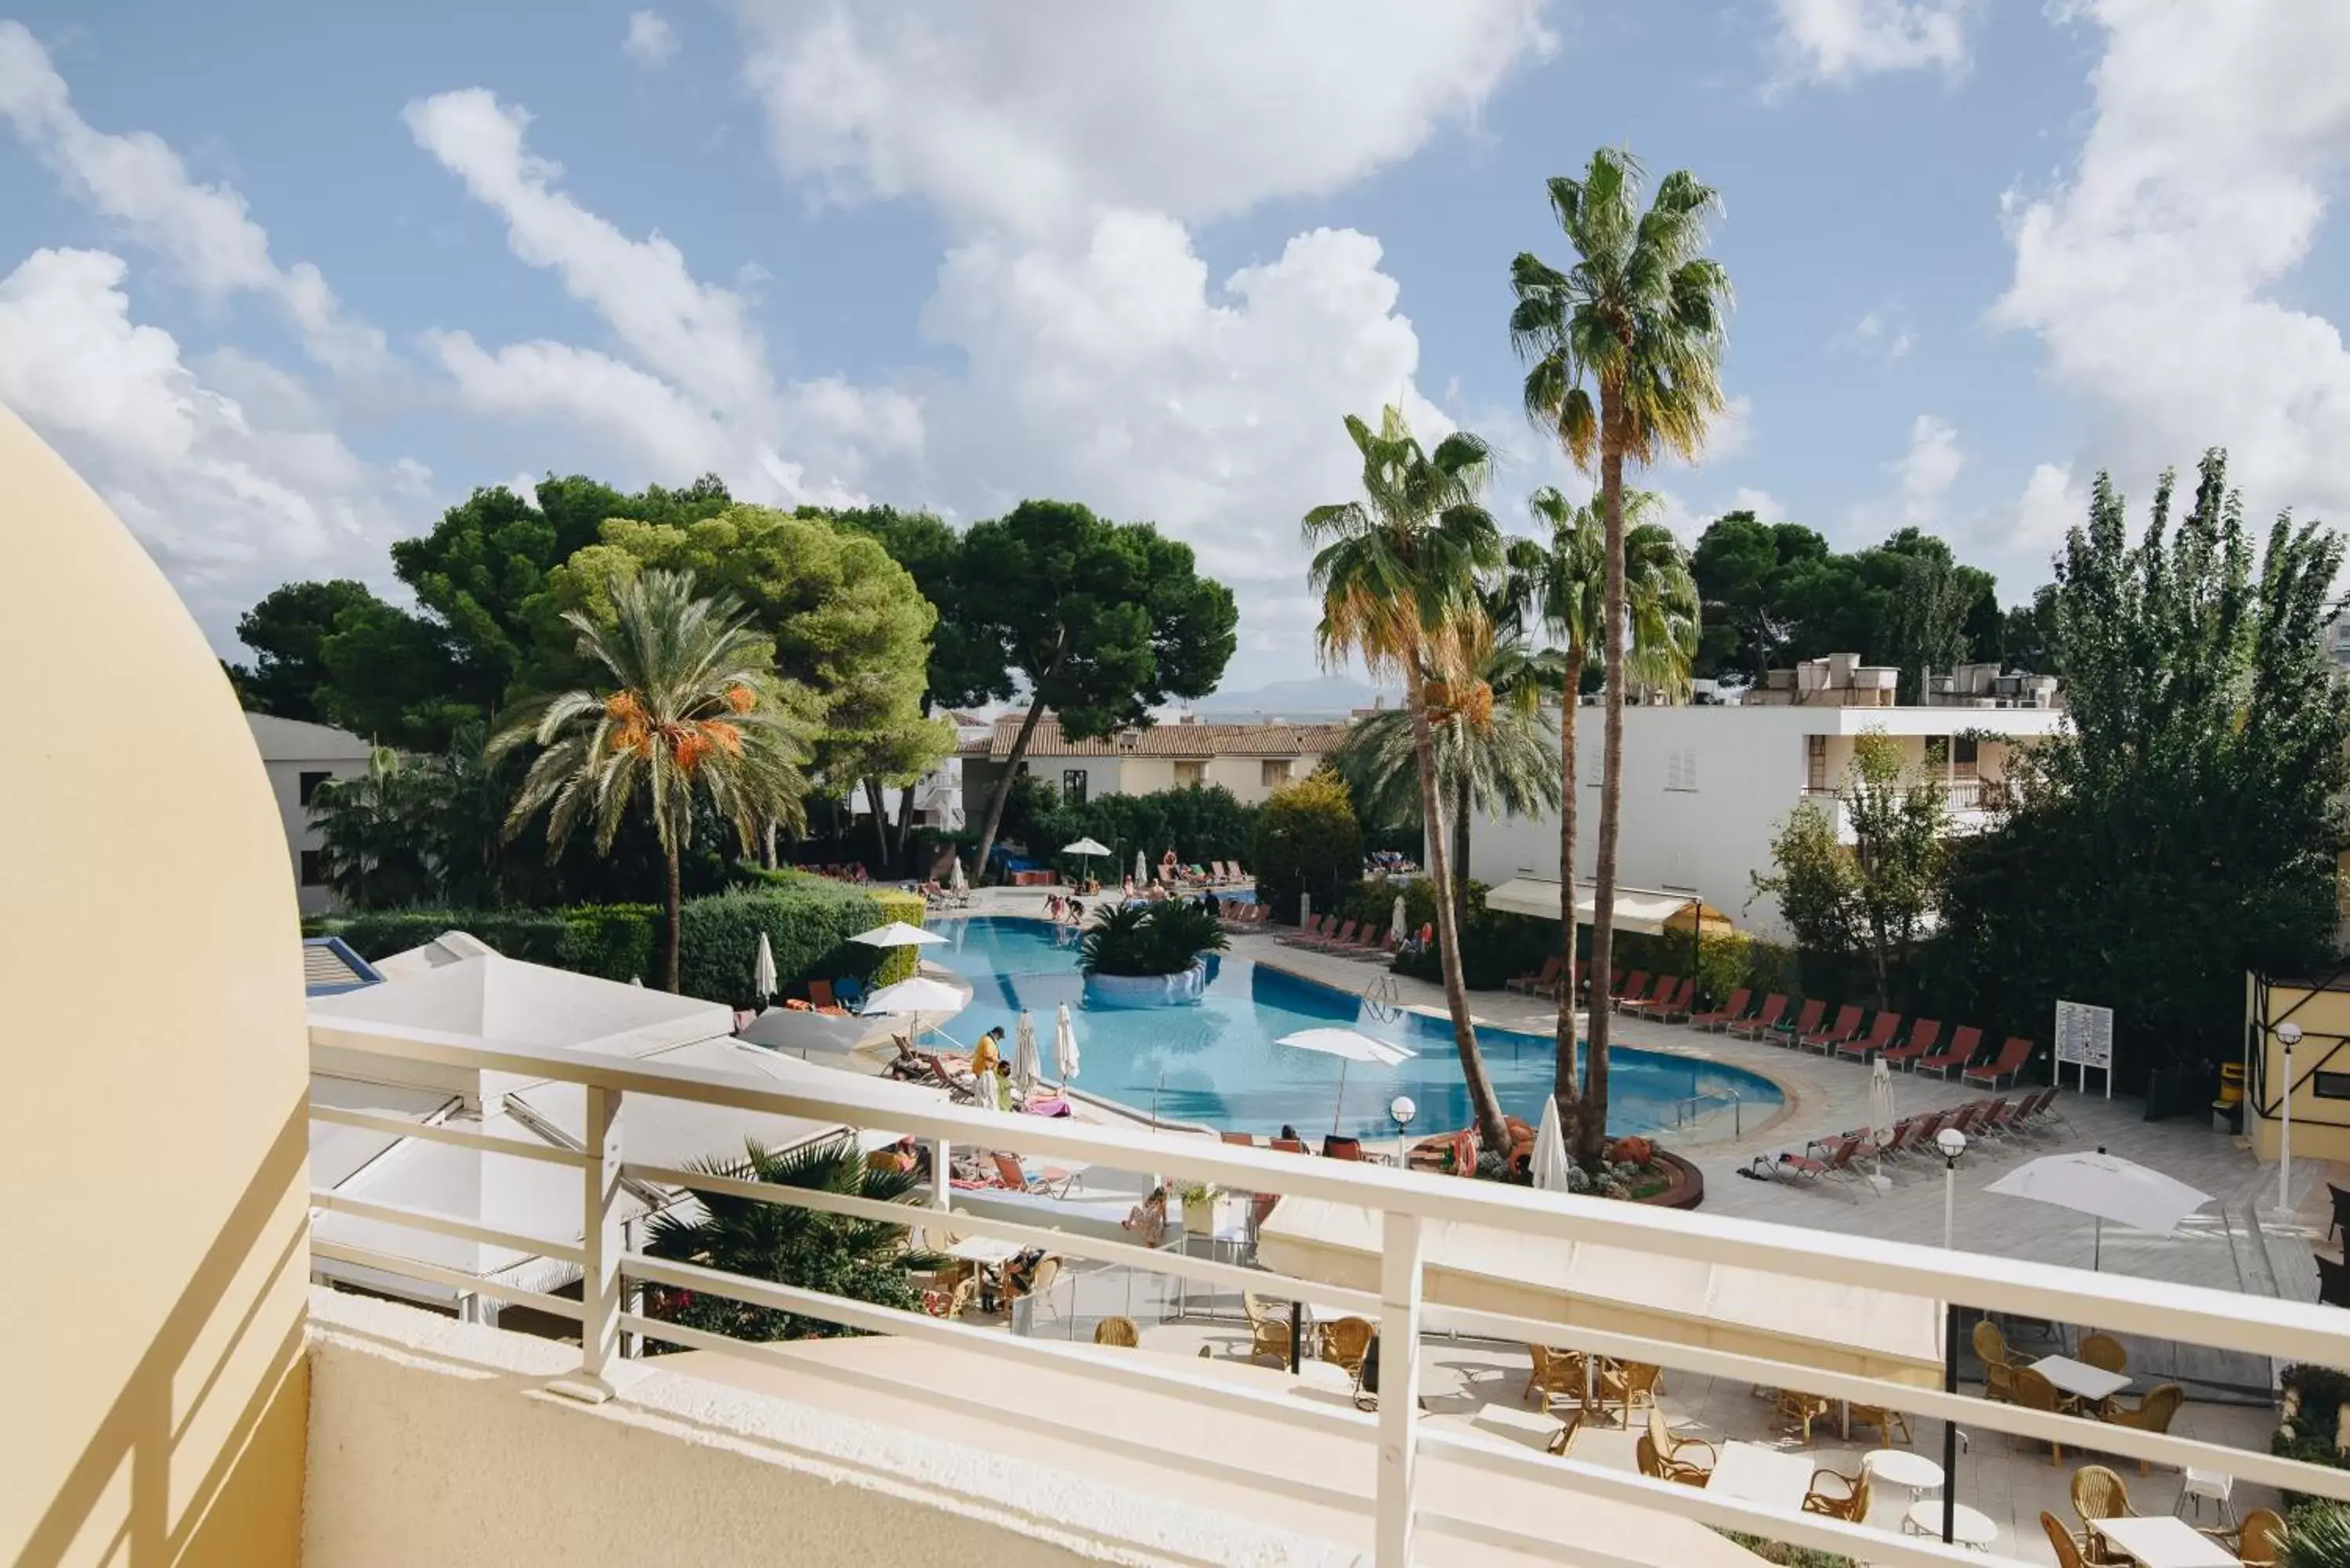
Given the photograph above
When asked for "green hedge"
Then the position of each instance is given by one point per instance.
(1494, 945)
(618, 941)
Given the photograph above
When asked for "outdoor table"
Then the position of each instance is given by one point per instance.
(984, 1251)
(2161, 1541)
(1766, 1476)
(1969, 1526)
(2080, 1379)
(1913, 1472)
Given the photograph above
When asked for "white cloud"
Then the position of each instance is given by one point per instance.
(650, 40)
(1035, 116)
(1929, 468)
(231, 499)
(2150, 274)
(139, 182)
(1839, 40)
(1881, 335)
(1766, 506)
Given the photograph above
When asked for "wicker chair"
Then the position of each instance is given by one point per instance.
(1677, 1452)
(1884, 1417)
(2099, 1494)
(2105, 1352)
(1117, 1331)
(2034, 1392)
(1556, 1374)
(1343, 1342)
(2151, 1413)
(1999, 1368)
(2067, 1549)
(1839, 1496)
(2261, 1541)
(1268, 1327)
(1796, 1408)
(1625, 1386)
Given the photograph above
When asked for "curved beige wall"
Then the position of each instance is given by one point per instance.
(152, 1122)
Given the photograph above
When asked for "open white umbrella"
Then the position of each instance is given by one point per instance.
(895, 934)
(762, 970)
(2107, 1187)
(1347, 1045)
(1065, 1045)
(919, 994)
(1550, 1149)
(1086, 848)
(1025, 1068)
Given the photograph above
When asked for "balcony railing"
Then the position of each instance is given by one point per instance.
(1410, 1204)
(1959, 795)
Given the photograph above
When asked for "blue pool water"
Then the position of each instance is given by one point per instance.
(1217, 1062)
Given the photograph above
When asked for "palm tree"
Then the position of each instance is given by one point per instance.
(377, 839)
(695, 711)
(863, 1260)
(1399, 572)
(1566, 584)
(1625, 355)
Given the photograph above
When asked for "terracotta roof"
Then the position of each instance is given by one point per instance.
(1175, 740)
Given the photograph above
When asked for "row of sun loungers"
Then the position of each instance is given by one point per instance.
(1353, 938)
(1831, 1159)
(1921, 1050)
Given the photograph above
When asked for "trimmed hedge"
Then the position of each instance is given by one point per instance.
(618, 941)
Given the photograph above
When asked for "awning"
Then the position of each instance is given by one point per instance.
(1645, 909)
(1719, 1306)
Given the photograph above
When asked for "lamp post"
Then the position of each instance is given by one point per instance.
(1950, 1142)
(2288, 1035)
(1401, 1110)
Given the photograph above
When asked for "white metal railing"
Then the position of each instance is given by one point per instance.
(1408, 1202)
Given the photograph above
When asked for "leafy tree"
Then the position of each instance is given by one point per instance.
(1099, 621)
(2318, 1536)
(862, 1260)
(1742, 566)
(1199, 822)
(378, 841)
(848, 625)
(1399, 575)
(1876, 898)
(1307, 842)
(288, 632)
(2027, 633)
(2184, 826)
(1626, 355)
(1565, 585)
(694, 711)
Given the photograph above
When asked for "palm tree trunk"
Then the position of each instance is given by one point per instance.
(1564, 1088)
(1493, 1132)
(676, 905)
(1460, 843)
(1002, 791)
(1591, 1128)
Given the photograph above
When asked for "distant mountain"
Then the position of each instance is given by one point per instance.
(1319, 697)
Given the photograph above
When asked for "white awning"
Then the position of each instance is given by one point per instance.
(1650, 910)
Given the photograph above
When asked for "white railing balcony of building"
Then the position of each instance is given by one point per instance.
(1411, 1204)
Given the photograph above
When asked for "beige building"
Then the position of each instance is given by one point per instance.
(299, 758)
(1249, 760)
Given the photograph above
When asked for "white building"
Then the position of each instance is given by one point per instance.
(299, 756)
(1707, 788)
(1249, 760)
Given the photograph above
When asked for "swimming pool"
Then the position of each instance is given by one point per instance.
(1217, 1062)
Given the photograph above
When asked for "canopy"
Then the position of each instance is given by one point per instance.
(1837, 1328)
(1650, 910)
(1085, 846)
(895, 934)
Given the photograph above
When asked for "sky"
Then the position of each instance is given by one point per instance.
(284, 281)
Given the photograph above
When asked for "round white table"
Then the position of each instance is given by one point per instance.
(1969, 1527)
(1903, 1467)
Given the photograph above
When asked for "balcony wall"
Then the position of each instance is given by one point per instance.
(153, 1136)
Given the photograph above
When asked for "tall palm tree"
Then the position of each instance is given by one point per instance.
(1625, 352)
(376, 846)
(695, 709)
(1399, 572)
(1567, 585)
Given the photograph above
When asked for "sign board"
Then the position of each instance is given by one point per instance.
(2084, 1038)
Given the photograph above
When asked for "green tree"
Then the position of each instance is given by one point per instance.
(288, 631)
(1307, 842)
(1098, 621)
(1625, 348)
(693, 712)
(1565, 585)
(1742, 566)
(2184, 826)
(2027, 633)
(1399, 572)
(379, 840)
(848, 624)
(862, 1260)
(1876, 898)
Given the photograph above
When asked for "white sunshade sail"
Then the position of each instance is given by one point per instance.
(919, 994)
(1650, 911)
(895, 934)
(1843, 1328)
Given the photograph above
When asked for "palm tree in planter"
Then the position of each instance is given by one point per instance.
(1566, 583)
(1144, 939)
(695, 712)
(863, 1260)
(1625, 352)
(1400, 573)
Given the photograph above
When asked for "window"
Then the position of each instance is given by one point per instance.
(313, 868)
(308, 785)
(2330, 1085)
(1816, 761)
(1273, 771)
(1073, 786)
(1965, 753)
(1191, 773)
(1680, 770)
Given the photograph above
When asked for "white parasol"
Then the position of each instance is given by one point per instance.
(955, 877)
(895, 934)
(762, 970)
(919, 994)
(1550, 1166)
(1086, 848)
(1141, 868)
(1398, 918)
(1065, 1045)
(1347, 1045)
(1025, 1068)
(2107, 1187)
(1880, 1116)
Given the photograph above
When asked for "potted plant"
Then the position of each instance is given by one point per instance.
(1198, 1207)
(1141, 955)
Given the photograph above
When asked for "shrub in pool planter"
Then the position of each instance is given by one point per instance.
(1149, 955)
(1182, 989)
